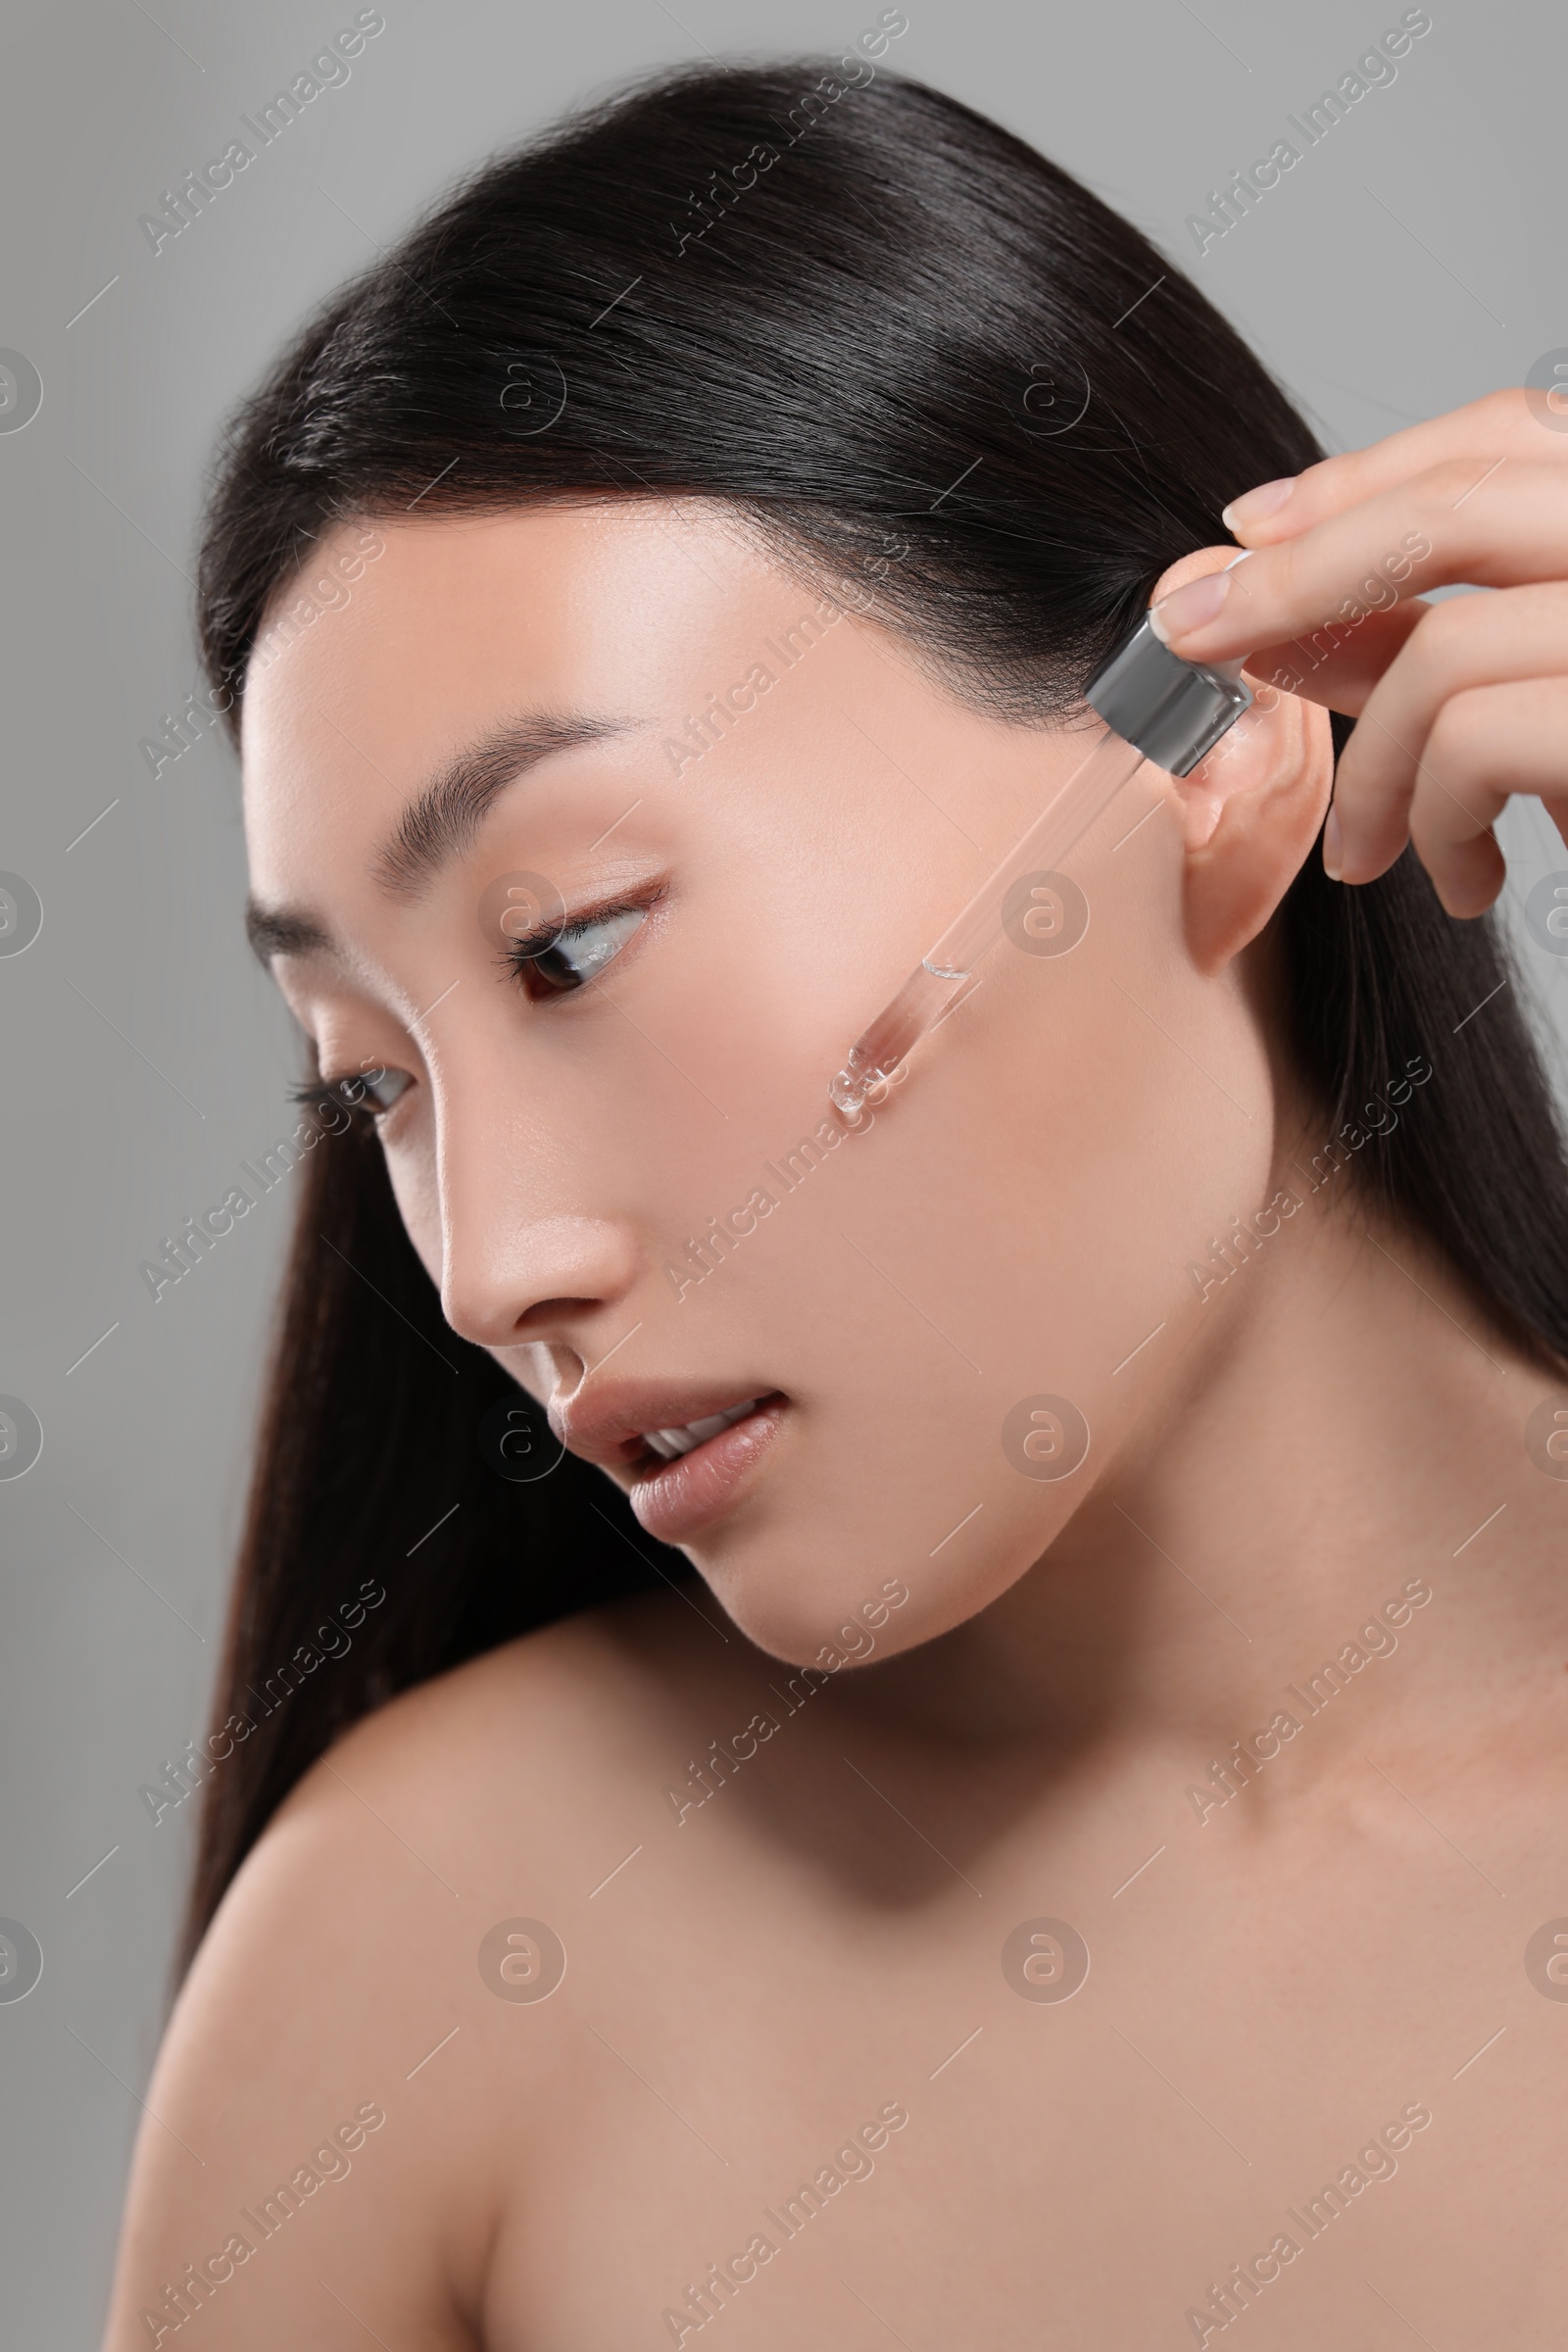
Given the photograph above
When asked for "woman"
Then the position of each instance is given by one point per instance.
(1089, 1829)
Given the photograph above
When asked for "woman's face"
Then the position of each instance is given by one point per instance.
(617, 1158)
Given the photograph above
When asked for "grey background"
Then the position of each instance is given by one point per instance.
(1410, 262)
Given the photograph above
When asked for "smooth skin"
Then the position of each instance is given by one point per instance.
(1321, 1457)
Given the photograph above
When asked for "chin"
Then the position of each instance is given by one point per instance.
(858, 1603)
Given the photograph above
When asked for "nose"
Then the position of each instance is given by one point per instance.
(518, 1261)
(546, 1278)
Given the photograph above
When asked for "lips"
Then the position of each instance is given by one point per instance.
(689, 1449)
(677, 1499)
(668, 1442)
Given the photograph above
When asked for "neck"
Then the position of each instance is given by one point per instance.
(1337, 1481)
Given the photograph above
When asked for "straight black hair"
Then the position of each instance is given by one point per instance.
(940, 376)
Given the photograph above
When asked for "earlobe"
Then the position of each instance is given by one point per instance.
(1249, 812)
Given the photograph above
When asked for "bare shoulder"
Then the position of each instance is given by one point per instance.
(538, 1738)
(636, 1653)
(323, 2108)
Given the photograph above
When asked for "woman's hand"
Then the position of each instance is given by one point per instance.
(1459, 704)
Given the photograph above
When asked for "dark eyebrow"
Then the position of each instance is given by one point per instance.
(440, 820)
(284, 931)
(446, 815)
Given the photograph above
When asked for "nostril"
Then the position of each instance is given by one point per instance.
(550, 1315)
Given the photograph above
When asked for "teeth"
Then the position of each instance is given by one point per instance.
(668, 1442)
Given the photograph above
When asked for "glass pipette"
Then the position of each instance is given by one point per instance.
(1156, 707)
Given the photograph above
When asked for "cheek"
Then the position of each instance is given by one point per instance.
(966, 1282)
(411, 1167)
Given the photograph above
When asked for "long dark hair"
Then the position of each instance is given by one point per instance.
(939, 373)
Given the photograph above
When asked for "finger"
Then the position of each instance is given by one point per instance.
(1340, 667)
(1442, 526)
(1517, 425)
(1486, 744)
(1465, 643)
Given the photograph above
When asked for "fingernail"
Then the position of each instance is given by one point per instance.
(1253, 505)
(1333, 846)
(1189, 608)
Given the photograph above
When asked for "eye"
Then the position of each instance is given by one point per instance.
(373, 1091)
(556, 963)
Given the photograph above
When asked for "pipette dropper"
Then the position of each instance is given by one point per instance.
(1156, 707)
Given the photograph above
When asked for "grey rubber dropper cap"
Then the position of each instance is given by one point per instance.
(1173, 712)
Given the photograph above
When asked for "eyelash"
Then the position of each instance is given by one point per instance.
(335, 1090)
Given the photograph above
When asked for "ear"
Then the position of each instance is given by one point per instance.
(1250, 812)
